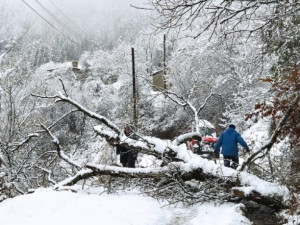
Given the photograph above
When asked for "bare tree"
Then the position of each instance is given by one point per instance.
(186, 102)
(232, 16)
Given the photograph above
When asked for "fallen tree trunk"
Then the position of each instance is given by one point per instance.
(180, 177)
(181, 166)
(79, 176)
(275, 202)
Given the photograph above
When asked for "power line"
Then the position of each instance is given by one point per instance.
(16, 42)
(59, 21)
(67, 17)
(40, 15)
(46, 20)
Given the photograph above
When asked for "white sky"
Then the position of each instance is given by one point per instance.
(94, 17)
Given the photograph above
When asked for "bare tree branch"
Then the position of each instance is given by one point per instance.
(185, 137)
(64, 88)
(49, 172)
(59, 150)
(93, 115)
(235, 13)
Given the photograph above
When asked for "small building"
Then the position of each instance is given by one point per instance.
(75, 64)
(75, 67)
(159, 81)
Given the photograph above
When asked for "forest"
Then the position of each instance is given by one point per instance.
(74, 74)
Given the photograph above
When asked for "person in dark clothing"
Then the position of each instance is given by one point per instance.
(128, 131)
(126, 156)
(229, 140)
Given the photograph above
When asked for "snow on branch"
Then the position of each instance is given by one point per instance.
(205, 101)
(80, 175)
(107, 134)
(101, 170)
(128, 172)
(64, 98)
(19, 144)
(185, 137)
(93, 115)
(59, 119)
(188, 165)
(49, 172)
(147, 145)
(59, 150)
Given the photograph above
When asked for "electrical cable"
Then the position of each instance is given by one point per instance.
(46, 20)
(16, 42)
(60, 22)
(67, 17)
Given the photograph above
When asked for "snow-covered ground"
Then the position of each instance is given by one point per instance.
(90, 206)
(49, 207)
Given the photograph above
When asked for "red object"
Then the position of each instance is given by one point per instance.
(209, 139)
(194, 141)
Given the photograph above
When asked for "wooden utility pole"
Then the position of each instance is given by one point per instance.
(165, 65)
(164, 51)
(134, 92)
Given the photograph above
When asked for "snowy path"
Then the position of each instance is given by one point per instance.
(49, 207)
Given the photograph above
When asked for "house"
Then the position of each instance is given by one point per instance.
(159, 81)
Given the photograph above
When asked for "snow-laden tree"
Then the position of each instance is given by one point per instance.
(66, 143)
(195, 68)
(17, 123)
(275, 25)
(183, 176)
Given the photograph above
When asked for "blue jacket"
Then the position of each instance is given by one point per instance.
(229, 140)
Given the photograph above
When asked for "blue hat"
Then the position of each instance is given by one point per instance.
(232, 126)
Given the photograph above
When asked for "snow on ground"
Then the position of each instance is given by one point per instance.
(46, 206)
(49, 207)
(257, 134)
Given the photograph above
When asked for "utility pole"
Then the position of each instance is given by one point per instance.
(134, 92)
(165, 65)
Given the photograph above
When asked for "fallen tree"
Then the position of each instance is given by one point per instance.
(184, 176)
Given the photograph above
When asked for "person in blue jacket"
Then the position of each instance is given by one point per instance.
(229, 140)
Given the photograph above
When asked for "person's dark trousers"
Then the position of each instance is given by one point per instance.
(231, 161)
(130, 160)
